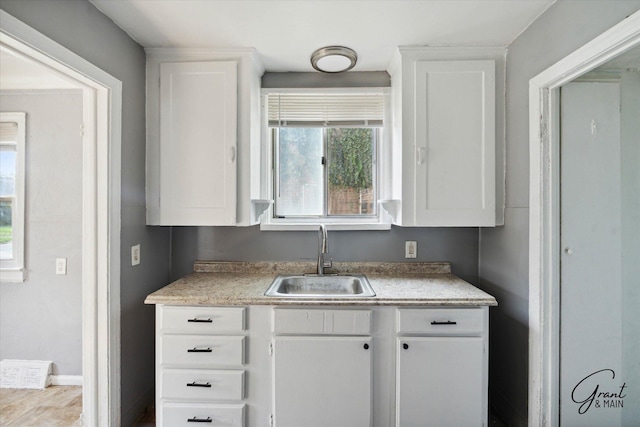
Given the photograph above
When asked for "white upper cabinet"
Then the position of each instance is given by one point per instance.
(203, 133)
(448, 156)
(198, 143)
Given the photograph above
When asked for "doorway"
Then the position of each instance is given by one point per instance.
(551, 254)
(42, 170)
(101, 140)
(600, 246)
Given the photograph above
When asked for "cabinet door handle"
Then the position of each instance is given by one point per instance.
(448, 322)
(199, 350)
(405, 346)
(199, 420)
(366, 346)
(195, 384)
(196, 320)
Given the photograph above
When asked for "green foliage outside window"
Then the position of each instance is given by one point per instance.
(6, 230)
(350, 157)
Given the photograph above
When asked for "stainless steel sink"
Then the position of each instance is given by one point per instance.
(315, 286)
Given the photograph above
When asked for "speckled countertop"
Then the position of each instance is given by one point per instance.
(244, 283)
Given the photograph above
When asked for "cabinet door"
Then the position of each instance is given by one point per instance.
(322, 381)
(198, 124)
(454, 143)
(439, 382)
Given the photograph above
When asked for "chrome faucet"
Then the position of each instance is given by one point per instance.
(323, 248)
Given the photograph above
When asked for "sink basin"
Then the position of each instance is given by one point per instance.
(314, 286)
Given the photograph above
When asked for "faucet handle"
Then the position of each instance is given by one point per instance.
(327, 264)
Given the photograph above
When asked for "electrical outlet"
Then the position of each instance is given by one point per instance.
(61, 266)
(410, 249)
(135, 254)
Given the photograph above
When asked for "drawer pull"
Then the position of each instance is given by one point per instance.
(199, 420)
(448, 322)
(196, 320)
(199, 350)
(405, 346)
(195, 384)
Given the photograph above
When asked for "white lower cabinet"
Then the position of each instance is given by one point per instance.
(203, 384)
(202, 350)
(439, 381)
(316, 366)
(176, 415)
(322, 381)
(322, 374)
(441, 367)
(200, 372)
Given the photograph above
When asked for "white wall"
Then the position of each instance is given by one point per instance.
(630, 135)
(40, 319)
(503, 266)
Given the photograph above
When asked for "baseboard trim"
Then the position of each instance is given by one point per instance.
(66, 379)
(131, 413)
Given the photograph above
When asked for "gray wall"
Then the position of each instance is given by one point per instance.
(457, 245)
(503, 266)
(41, 318)
(80, 27)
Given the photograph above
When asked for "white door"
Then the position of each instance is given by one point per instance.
(600, 192)
(322, 381)
(439, 382)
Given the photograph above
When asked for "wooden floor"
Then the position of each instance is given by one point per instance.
(53, 406)
(62, 406)
(148, 419)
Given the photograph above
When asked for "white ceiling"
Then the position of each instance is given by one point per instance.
(286, 32)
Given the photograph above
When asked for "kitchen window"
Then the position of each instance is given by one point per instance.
(324, 158)
(12, 170)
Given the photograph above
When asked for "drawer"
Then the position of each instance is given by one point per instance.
(441, 321)
(201, 320)
(200, 384)
(176, 415)
(193, 351)
(322, 322)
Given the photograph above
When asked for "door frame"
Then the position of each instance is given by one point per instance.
(544, 212)
(102, 117)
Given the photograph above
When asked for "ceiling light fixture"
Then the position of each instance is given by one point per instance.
(334, 59)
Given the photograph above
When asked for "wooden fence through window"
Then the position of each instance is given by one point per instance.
(350, 201)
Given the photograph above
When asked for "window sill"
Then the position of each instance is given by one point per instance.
(337, 226)
(11, 275)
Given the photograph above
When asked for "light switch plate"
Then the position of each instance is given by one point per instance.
(135, 255)
(61, 266)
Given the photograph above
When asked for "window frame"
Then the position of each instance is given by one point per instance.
(380, 221)
(13, 270)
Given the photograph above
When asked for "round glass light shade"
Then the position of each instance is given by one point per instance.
(334, 59)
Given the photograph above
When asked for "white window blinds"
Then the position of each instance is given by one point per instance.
(325, 109)
(8, 132)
